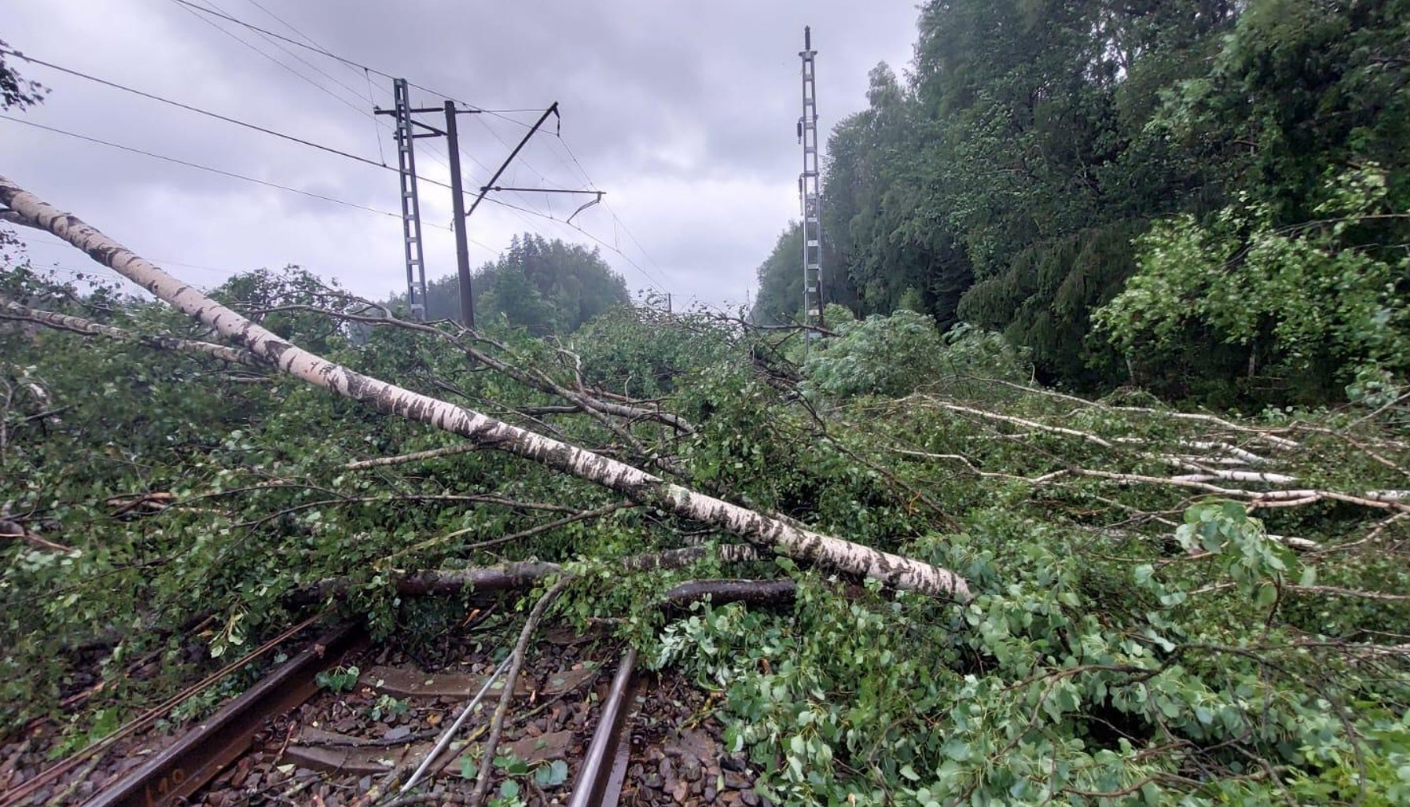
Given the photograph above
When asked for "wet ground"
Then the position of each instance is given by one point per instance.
(359, 738)
(677, 750)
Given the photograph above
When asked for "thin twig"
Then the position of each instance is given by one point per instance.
(415, 456)
(482, 784)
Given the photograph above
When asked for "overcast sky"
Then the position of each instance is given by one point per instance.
(684, 113)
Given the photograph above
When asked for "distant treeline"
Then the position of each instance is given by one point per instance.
(539, 285)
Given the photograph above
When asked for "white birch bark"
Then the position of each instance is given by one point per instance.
(10, 309)
(801, 544)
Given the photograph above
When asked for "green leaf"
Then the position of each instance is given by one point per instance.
(552, 774)
(512, 765)
(468, 768)
(1267, 595)
(956, 749)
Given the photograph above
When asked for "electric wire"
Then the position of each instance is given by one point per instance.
(376, 127)
(193, 7)
(189, 108)
(200, 167)
(77, 274)
(367, 70)
(291, 27)
(274, 39)
(655, 282)
(223, 118)
(616, 220)
(499, 113)
(316, 49)
(354, 93)
(377, 123)
(229, 174)
(282, 65)
(64, 246)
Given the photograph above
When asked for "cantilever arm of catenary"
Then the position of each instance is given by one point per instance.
(640, 486)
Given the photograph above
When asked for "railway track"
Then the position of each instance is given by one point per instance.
(344, 722)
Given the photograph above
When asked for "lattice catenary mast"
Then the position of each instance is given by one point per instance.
(410, 203)
(808, 191)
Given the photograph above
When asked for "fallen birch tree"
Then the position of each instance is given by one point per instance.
(639, 486)
(11, 310)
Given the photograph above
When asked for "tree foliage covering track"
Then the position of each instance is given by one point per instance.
(1163, 605)
(1112, 647)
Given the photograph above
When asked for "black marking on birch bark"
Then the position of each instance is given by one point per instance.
(754, 526)
(273, 349)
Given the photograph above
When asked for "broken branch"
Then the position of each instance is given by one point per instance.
(645, 488)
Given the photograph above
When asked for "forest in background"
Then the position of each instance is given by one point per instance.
(1238, 169)
(1145, 604)
(543, 286)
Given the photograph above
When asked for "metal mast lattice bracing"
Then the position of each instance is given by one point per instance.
(808, 190)
(410, 204)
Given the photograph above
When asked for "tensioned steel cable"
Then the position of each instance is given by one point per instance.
(206, 112)
(200, 167)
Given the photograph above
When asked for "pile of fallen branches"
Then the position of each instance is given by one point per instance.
(1108, 451)
(637, 485)
(464, 463)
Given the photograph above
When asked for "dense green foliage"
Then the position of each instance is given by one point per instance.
(1323, 302)
(540, 285)
(1170, 607)
(897, 355)
(1008, 183)
(1110, 652)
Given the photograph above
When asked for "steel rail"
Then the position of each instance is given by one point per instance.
(591, 788)
(184, 767)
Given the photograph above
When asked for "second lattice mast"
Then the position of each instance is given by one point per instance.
(808, 190)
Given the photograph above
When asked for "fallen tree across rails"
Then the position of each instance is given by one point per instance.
(644, 488)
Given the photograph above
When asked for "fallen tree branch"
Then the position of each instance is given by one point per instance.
(1211, 475)
(14, 217)
(582, 401)
(1371, 536)
(519, 575)
(1271, 439)
(719, 592)
(677, 558)
(1333, 591)
(416, 456)
(1017, 421)
(465, 498)
(65, 322)
(511, 679)
(518, 536)
(645, 488)
(1381, 499)
(11, 529)
(1337, 591)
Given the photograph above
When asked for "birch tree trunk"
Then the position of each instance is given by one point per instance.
(802, 544)
(11, 310)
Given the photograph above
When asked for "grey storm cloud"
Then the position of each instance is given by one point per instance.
(682, 112)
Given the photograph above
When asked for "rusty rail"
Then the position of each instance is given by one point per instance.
(197, 757)
(591, 788)
(181, 769)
